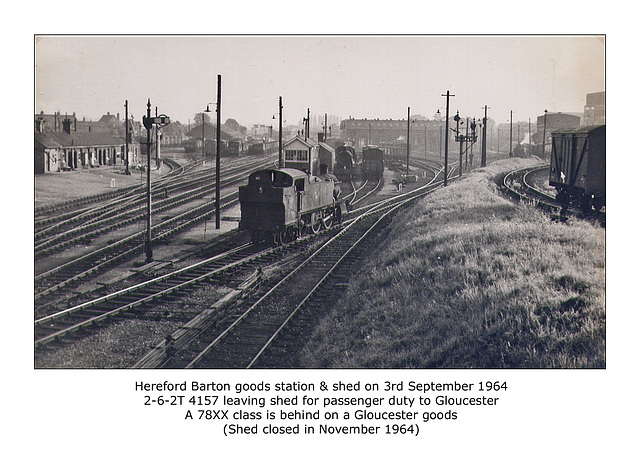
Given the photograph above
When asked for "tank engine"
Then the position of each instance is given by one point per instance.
(345, 161)
(286, 203)
(578, 164)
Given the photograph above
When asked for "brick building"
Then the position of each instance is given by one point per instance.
(594, 110)
(66, 143)
(425, 135)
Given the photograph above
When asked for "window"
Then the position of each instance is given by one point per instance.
(296, 155)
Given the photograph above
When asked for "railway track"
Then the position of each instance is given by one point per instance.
(118, 215)
(235, 269)
(53, 217)
(263, 326)
(223, 267)
(51, 286)
(518, 185)
(310, 283)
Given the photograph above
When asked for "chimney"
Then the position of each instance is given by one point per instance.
(66, 125)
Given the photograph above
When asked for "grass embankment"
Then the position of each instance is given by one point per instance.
(467, 278)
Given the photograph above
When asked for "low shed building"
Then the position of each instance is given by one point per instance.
(56, 151)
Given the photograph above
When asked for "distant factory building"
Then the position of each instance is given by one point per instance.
(594, 110)
(554, 121)
(425, 135)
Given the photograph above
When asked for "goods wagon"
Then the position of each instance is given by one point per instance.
(372, 161)
(578, 166)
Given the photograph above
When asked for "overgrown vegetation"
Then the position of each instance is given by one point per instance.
(469, 279)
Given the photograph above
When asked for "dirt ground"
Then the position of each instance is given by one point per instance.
(56, 187)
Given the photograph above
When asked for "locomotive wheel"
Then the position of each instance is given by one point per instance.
(316, 223)
(327, 221)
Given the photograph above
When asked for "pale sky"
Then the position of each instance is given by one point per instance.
(360, 76)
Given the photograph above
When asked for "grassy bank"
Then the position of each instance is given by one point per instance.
(467, 278)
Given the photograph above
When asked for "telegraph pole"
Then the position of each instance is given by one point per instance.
(511, 134)
(446, 138)
(324, 137)
(483, 161)
(280, 159)
(147, 246)
(126, 138)
(218, 155)
(157, 152)
(529, 139)
(408, 133)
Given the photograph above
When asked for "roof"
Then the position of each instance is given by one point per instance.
(300, 139)
(294, 173)
(327, 147)
(75, 139)
(108, 119)
(581, 129)
(209, 132)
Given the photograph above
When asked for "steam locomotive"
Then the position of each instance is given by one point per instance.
(283, 204)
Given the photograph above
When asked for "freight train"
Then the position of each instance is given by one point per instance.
(578, 166)
(230, 148)
(283, 204)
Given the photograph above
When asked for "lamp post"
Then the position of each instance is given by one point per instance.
(460, 139)
(483, 161)
(446, 138)
(157, 145)
(466, 147)
(217, 148)
(203, 155)
(280, 158)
